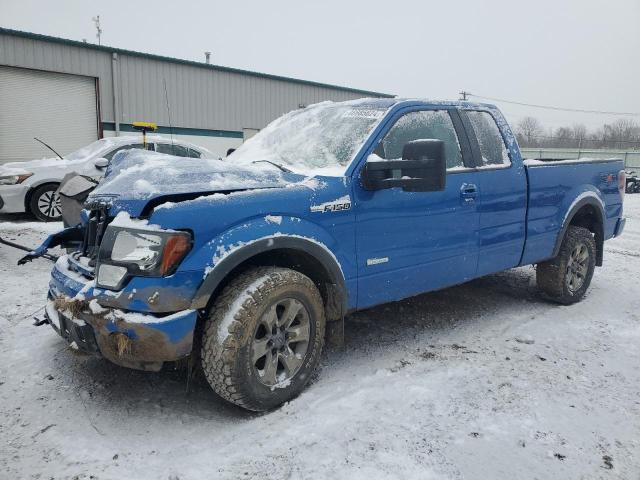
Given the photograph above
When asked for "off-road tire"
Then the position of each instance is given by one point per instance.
(551, 276)
(230, 329)
(39, 197)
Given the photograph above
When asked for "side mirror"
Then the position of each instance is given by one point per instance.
(423, 168)
(101, 163)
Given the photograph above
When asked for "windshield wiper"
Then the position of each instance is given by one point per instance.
(284, 169)
(50, 148)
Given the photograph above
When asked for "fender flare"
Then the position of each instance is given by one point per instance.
(591, 199)
(316, 250)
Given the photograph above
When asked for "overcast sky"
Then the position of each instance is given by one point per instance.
(574, 53)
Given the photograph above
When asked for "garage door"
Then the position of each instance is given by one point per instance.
(60, 109)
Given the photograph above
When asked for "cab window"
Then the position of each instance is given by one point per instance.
(426, 124)
(490, 142)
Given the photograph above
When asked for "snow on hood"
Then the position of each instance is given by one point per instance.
(93, 150)
(26, 167)
(143, 175)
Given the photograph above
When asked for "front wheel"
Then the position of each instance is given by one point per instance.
(566, 277)
(45, 203)
(263, 338)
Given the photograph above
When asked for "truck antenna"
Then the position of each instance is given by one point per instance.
(166, 97)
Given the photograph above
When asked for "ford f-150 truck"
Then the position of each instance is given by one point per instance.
(244, 264)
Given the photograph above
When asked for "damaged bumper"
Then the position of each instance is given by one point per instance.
(131, 339)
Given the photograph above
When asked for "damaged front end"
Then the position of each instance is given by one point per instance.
(132, 340)
(136, 319)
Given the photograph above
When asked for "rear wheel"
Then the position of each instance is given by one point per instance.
(565, 278)
(263, 338)
(45, 203)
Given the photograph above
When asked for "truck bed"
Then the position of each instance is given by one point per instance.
(557, 188)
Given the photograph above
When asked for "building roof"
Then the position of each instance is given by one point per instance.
(103, 48)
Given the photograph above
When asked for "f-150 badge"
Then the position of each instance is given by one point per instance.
(338, 205)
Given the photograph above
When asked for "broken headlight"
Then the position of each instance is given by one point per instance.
(126, 252)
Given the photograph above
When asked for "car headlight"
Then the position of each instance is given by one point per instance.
(128, 252)
(13, 179)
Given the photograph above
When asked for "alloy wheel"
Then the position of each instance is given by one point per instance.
(280, 342)
(577, 267)
(49, 204)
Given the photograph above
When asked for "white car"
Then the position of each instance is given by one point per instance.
(31, 186)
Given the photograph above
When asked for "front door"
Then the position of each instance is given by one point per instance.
(412, 242)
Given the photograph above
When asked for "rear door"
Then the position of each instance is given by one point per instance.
(503, 183)
(411, 242)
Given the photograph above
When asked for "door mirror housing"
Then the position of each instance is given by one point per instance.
(423, 168)
(101, 163)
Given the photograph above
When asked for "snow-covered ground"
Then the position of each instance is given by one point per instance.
(480, 381)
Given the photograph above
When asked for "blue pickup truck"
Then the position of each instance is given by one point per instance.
(246, 265)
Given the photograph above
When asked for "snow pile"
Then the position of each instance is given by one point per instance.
(534, 162)
(134, 317)
(273, 219)
(124, 220)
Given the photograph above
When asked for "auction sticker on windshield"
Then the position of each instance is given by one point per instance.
(363, 113)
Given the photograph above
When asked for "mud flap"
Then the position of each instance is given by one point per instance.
(335, 333)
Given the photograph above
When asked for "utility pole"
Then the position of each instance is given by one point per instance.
(463, 95)
(96, 20)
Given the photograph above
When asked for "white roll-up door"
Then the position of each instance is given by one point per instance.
(58, 108)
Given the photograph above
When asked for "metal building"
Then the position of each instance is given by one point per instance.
(71, 93)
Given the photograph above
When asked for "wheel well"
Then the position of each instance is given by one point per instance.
(27, 197)
(589, 217)
(303, 262)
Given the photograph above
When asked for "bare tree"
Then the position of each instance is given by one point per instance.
(622, 133)
(579, 134)
(563, 137)
(529, 130)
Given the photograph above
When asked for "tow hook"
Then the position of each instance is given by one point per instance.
(37, 321)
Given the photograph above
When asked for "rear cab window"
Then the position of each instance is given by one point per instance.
(493, 152)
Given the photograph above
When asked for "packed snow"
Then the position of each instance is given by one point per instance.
(143, 175)
(483, 380)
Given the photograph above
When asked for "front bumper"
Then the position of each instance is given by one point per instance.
(12, 198)
(132, 339)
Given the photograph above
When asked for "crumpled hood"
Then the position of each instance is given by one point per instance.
(139, 177)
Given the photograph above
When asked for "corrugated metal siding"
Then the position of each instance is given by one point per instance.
(52, 57)
(204, 98)
(199, 97)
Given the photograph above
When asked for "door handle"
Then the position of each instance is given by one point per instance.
(468, 192)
